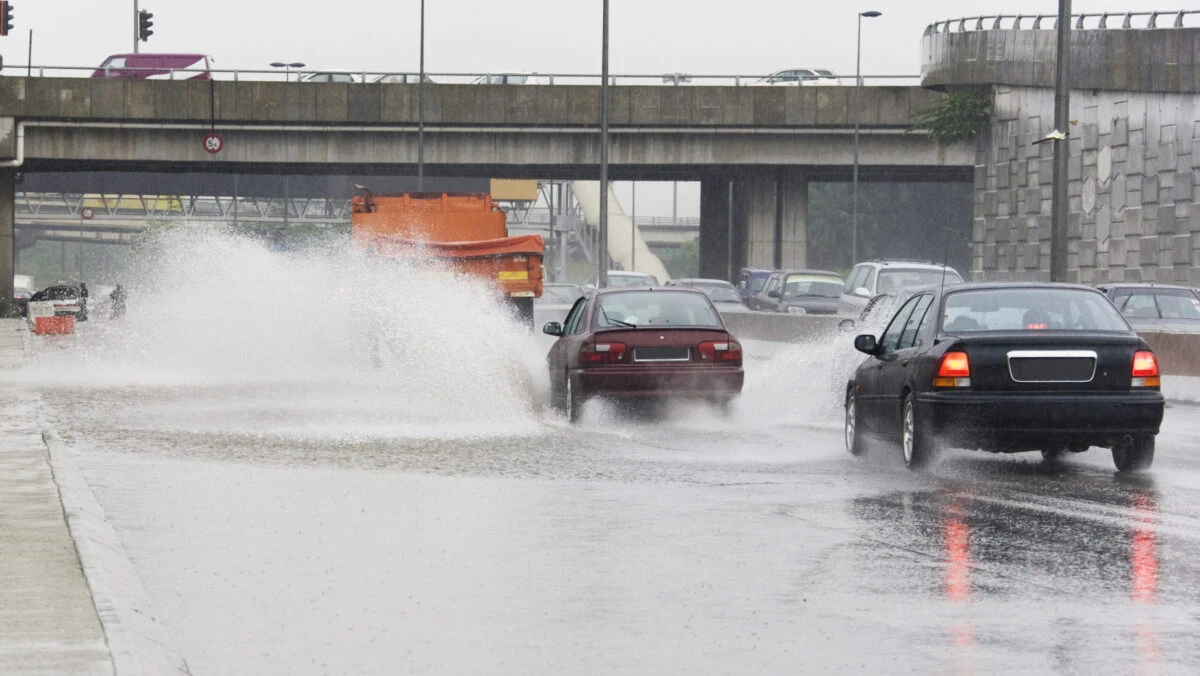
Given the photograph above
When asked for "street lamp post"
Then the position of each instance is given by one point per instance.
(421, 108)
(871, 14)
(602, 254)
(287, 68)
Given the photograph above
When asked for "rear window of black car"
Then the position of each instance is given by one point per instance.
(1030, 309)
(656, 308)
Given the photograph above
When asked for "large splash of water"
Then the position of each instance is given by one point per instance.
(380, 340)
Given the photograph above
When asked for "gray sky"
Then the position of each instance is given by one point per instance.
(748, 37)
(647, 36)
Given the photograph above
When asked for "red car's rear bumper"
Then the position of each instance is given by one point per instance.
(699, 381)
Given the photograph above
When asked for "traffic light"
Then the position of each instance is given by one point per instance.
(144, 24)
(5, 17)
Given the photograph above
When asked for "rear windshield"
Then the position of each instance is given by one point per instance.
(809, 286)
(656, 308)
(892, 280)
(1158, 303)
(1025, 309)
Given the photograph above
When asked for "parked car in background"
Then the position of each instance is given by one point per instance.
(402, 78)
(804, 77)
(623, 279)
(1156, 307)
(329, 76)
(1006, 367)
(21, 297)
(511, 79)
(156, 67)
(751, 281)
(889, 277)
(723, 295)
(800, 292)
(66, 299)
(642, 344)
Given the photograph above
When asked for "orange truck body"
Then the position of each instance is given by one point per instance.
(467, 232)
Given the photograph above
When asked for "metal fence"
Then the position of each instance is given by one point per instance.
(1189, 18)
(370, 76)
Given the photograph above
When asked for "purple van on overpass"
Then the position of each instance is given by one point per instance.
(155, 67)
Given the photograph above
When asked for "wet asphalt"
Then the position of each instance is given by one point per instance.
(310, 527)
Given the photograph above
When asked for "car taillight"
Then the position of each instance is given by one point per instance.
(720, 352)
(601, 353)
(1145, 369)
(953, 371)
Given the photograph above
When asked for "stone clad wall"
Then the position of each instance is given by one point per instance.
(1134, 187)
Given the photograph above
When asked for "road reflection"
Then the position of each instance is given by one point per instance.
(1023, 535)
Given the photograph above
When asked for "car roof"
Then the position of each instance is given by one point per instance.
(705, 280)
(655, 289)
(904, 262)
(817, 273)
(1143, 285)
(972, 286)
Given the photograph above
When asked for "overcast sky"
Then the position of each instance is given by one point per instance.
(746, 37)
(647, 36)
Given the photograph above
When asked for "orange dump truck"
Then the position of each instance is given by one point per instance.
(465, 231)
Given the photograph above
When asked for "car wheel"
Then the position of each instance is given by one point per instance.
(1052, 455)
(571, 404)
(1134, 455)
(917, 447)
(854, 441)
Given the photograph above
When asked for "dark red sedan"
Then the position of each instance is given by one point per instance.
(643, 344)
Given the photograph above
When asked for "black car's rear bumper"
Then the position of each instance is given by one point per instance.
(1016, 422)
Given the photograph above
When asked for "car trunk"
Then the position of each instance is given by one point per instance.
(662, 346)
(1050, 362)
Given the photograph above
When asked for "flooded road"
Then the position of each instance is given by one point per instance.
(289, 514)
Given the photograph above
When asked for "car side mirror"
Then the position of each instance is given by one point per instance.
(846, 325)
(552, 329)
(773, 294)
(866, 344)
(862, 292)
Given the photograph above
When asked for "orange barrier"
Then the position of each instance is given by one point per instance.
(63, 325)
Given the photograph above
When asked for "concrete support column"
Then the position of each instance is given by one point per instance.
(714, 228)
(770, 222)
(7, 206)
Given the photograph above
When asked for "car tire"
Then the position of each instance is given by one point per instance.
(917, 447)
(570, 402)
(853, 435)
(1134, 455)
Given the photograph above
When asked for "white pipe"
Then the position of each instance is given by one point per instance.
(623, 237)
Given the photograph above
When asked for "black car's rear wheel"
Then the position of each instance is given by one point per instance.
(854, 440)
(1134, 455)
(916, 443)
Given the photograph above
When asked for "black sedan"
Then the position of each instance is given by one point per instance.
(643, 345)
(1006, 368)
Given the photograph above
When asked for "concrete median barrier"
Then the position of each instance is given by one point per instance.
(1178, 353)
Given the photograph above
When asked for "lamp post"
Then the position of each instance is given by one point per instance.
(287, 68)
(870, 14)
(602, 254)
(421, 108)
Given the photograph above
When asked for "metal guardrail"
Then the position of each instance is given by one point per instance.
(1186, 18)
(368, 76)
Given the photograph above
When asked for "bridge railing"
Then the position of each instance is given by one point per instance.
(1188, 18)
(361, 76)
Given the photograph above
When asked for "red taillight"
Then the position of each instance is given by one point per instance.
(720, 352)
(601, 353)
(953, 371)
(1145, 369)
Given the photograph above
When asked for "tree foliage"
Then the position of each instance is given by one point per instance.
(957, 117)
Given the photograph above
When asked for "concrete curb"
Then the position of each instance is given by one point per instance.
(137, 640)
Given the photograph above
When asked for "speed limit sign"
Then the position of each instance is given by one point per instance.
(213, 143)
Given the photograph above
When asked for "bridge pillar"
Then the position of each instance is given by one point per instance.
(7, 263)
(765, 226)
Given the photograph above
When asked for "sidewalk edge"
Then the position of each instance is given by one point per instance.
(137, 640)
